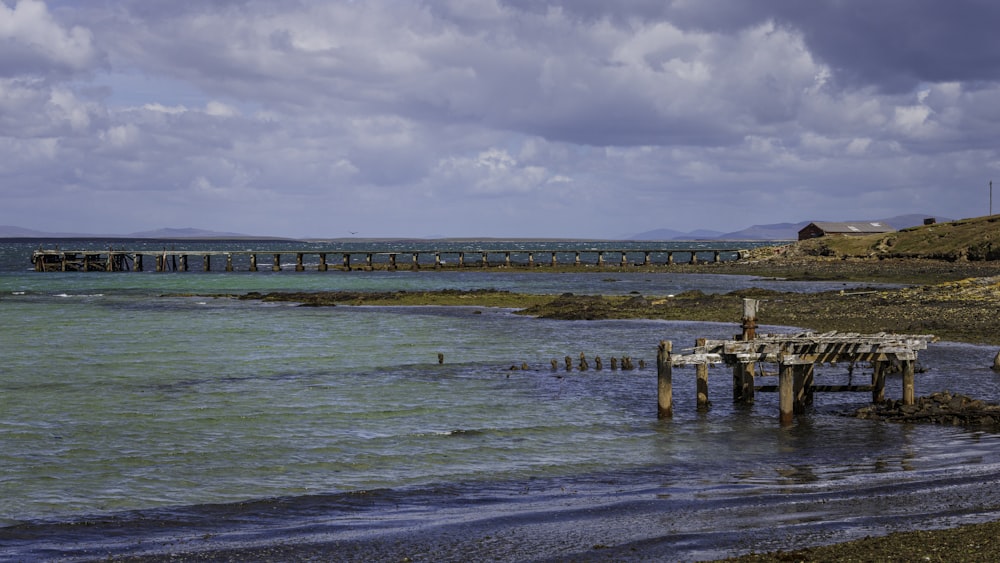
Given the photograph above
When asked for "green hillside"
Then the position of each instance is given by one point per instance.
(967, 239)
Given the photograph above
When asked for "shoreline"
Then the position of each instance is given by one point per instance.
(955, 301)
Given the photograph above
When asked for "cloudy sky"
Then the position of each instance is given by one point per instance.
(499, 118)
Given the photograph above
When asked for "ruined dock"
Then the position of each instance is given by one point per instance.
(796, 357)
(111, 260)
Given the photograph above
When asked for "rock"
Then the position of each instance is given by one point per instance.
(996, 362)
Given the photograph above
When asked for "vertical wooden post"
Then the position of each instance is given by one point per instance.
(138, 263)
(553, 259)
(531, 259)
(670, 258)
(600, 258)
(664, 377)
(694, 257)
(368, 261)
(645, 259)
(786, 393)
(229, 262)
(624, 259)
(392, 261)
(909, 397)
(808, 379)
(800, 373)
(486, 261)
(701, 371)
(437, 260)
(718, 256)
(743, 383)
(576, 260)
(184, 262)
(506, 259)
(416, 261)
(322, 262)
(749, 322)
(461, 259)
(346, 262)
(159, 263)
(743, 374)
(253, 262)
(299, 266)
(276, 267)
(206, 262)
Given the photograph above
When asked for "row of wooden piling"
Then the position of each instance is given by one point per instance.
(129, 260)
(796, 357)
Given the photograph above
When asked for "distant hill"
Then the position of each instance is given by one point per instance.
(670, 234)
(171, 233)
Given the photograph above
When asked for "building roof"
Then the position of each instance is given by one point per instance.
(855, 227)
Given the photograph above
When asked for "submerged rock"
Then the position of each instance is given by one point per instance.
(938, 408)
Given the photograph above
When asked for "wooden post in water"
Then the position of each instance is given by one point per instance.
(531, 259)
(138, 263)
(276, 267)
(299, 266)
(878, 381)
(347, 262)
(909, 397)
(664, 379)
(786, 393)
(253, 262)
(718, 257)
(694, 257)
(506, 259)
(743, 374)
(600, 258)
(461, 259)
(416, 261)
(670, 258)
(801, 373)
(701, 371)
(322, 262)
(184, 262)
(553, 259)
(576, 261)
(437, 260)
(624, 259)
(206, 263)
(486, 261)
(229, 262)
(645, 259)
(368, 261)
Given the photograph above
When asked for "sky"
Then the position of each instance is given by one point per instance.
(493, 118)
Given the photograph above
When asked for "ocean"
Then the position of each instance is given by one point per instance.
(151, 414)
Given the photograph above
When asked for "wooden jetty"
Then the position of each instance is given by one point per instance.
(796, 356)
(55, 260)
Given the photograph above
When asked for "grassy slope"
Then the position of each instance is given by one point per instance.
(973, 239)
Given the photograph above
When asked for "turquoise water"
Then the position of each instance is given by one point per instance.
(126, 392)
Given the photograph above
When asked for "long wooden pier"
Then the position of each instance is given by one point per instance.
(796, 356)
(111, 260)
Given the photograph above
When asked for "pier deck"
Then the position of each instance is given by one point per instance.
(796, 356)
(55, 260)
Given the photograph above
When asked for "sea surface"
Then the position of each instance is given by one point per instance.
(146, 413)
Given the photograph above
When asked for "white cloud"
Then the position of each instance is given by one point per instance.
(413, 113)
(28, 32)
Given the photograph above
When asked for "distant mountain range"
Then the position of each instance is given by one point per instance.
(776, 231)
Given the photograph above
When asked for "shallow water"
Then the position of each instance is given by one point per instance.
(158, 419)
